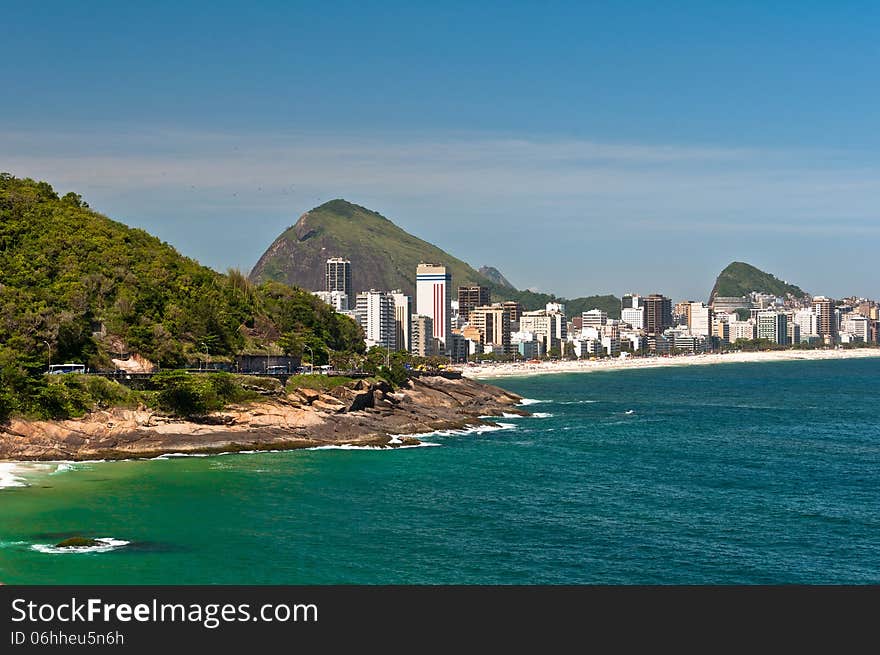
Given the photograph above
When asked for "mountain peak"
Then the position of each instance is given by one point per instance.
(383, 256)
(741, 278)
(495, 275)
(339, 206)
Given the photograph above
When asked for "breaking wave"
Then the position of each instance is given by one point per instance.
(9, 477)
(346, 446)
(105, 545)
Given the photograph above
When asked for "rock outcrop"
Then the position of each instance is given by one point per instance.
(362, 413)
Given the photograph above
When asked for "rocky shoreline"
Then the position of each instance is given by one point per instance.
(363, 413)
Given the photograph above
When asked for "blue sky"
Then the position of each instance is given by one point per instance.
(580, 148)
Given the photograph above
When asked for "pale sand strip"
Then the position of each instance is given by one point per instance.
(586, 366)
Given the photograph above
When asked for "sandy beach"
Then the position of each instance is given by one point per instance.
(587, 366)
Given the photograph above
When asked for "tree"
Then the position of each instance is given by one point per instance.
(291, 344)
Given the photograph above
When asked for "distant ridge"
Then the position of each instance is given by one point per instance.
(740, 279)
(383, 256)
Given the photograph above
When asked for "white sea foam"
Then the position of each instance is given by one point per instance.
(105, 545)
(15, 474)
(578, 402)
(532, 401)
(421, 436)
(534, 415)
(477, 429)
(176, 455)
(9, 475)
(8, 544)
(347, 446)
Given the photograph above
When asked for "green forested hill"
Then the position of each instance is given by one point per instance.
(739, 279)
(91, 287)
(383, 256)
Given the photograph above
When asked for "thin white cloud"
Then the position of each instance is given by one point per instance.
(450, 189)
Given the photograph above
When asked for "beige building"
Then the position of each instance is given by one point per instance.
(422, 341)
(402, 319)
(493, 322)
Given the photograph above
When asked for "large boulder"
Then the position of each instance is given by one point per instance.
(329, 404)
(308, 395)
(354, 399)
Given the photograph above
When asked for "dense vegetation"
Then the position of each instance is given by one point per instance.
(383, 256)
(77, 286)
(740, 279)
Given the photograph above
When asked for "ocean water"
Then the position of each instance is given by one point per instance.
(736, 473)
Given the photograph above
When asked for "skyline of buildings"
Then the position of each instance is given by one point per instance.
(473, 325)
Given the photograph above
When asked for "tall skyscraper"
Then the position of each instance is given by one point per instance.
(402, 319)
(470, 297)
(658, 313)
(375, 312)
(337, 275)
(825, 319)
(434, 299)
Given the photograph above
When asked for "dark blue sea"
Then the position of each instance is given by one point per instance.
(735, 473)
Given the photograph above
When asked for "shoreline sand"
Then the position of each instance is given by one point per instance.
(525, 369)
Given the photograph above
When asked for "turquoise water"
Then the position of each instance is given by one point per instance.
(737, 473)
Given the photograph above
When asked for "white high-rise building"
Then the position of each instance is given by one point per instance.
(434, 299)
(402, 319)
(594, 317)
(635, 316)
(857, 326)
(700, 319)
(808, 322)
(375, 313)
